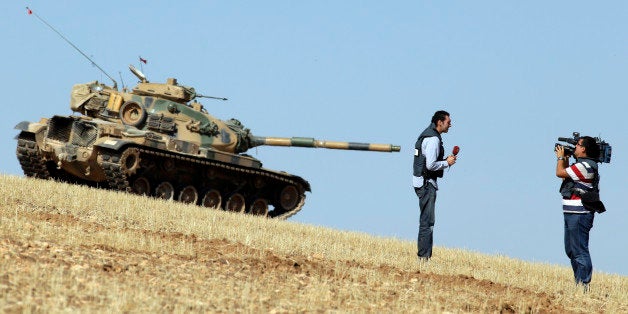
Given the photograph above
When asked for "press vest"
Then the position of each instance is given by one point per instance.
(579, 197)
(420, 169)
(568, 185)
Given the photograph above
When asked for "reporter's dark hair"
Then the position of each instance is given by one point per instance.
(439, 115)
(590, 146)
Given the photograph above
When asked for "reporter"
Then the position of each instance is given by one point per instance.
(428, 165)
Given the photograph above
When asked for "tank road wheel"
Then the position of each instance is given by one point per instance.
(188, 195)
(235, 203)
(130, 161)
(289, 197)
(141, 186)
(132, 114)
(212, 199)
(259, 207)
(165, 191)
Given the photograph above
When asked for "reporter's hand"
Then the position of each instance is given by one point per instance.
(451, 159)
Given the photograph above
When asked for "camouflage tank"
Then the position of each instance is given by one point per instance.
(157, 140)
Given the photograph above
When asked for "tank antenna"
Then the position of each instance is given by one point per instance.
(115, 84)
(211, 97)
(121, 80)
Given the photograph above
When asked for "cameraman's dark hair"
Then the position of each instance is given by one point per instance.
(439, 115)
(591, 147)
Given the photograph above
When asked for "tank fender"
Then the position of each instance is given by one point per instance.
(114, 144)
(31, 127)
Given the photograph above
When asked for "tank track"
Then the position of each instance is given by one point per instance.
(35, 165)
(30, 158)
(117, 180)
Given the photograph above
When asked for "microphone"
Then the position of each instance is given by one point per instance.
(455, 150)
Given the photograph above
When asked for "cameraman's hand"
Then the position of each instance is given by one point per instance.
(563, 162)
(451, 159)
(560, 151)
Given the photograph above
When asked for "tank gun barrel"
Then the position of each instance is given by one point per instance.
(314, 143)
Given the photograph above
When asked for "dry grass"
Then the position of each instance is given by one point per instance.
(72, 248)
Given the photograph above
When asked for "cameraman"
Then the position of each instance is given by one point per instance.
(579, 178)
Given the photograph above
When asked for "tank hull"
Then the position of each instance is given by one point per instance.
(104, 154)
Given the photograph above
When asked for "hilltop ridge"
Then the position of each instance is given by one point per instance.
(72, 247)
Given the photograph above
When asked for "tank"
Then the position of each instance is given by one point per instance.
(157, 140)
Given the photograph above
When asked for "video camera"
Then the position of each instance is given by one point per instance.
(605, 148)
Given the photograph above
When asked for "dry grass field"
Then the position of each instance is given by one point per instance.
(66, 248)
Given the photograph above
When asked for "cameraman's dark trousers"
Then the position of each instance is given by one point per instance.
(577, 227)
(427, 203)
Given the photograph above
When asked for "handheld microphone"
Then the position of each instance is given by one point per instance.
(456, 150)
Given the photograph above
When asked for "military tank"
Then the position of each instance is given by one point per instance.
(157, 140)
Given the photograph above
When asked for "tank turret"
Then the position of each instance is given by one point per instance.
(157, 140)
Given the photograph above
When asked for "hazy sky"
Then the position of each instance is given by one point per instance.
(514, 75)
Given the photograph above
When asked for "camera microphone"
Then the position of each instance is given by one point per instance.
(455, 150)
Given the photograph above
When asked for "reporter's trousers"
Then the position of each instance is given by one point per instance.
(427, 203)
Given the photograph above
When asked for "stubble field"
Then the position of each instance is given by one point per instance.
(72, 248)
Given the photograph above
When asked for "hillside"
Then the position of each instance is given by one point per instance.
(65, 247)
